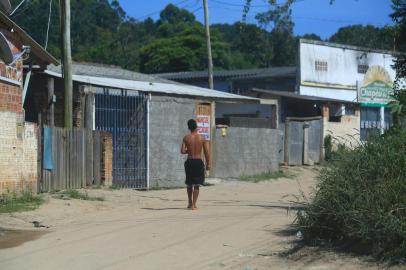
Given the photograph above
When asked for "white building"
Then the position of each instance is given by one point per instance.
(349, 73)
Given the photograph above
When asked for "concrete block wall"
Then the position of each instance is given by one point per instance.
(168, 125)
(18, 153)
(245, 151)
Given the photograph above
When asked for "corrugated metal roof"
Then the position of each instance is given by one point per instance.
(299, 96)
(233, 74)
(101, 70)
(147, 84)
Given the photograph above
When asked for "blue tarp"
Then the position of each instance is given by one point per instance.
(48, 162)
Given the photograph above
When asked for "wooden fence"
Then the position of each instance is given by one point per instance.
(76, 160)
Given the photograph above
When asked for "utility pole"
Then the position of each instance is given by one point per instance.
(66, 60)
(209, 57)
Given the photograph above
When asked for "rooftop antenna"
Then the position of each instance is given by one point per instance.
(5, 51)
(6, 55)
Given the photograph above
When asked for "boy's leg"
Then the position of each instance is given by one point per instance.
(195, 196)
(189, 195)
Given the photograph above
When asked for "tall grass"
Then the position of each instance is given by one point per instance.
(361, 199)
(265, 176)
(18, 202)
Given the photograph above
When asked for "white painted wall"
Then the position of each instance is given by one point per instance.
(340, 80)
(342, 94)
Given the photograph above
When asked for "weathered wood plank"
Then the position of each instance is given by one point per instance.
(76, 158)
(89, 157)
(82, 163)
(96, 158)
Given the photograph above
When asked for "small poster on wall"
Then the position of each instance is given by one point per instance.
(203, 126)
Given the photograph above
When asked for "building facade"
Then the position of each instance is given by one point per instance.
(18, 138)
(349, 73)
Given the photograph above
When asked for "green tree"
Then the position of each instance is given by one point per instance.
(365, 36)
(398, 106)
(311, 37)
(183, 52)
(248, 42)
(279, 17)
(399, 17)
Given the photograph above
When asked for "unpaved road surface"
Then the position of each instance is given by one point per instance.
(238, 225)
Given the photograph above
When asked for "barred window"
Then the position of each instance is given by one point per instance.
(362, 69)
(321, 65)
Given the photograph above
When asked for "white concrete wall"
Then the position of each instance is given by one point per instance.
(340, 79)
(341, 94)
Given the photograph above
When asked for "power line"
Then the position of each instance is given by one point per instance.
(251, 6)
(21, 11)
(328, 20)
(196, 10)
(49, 23)
(335, 20)
(18, 6)
(236, 5)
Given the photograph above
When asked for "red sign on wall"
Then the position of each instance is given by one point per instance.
(203, 126)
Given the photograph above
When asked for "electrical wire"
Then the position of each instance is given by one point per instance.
(251, 6)
(18, 6)
(49, 23)
(236, 5)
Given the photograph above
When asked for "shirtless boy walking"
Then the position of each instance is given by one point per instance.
(192, 145)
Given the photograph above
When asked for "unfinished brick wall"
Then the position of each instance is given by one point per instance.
(18, 153)
(10, 98)
(107, 159)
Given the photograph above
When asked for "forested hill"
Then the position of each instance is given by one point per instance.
(103, 33)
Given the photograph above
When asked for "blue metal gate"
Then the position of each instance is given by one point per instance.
(123, 113)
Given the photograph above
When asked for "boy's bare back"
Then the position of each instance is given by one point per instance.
(193, 144)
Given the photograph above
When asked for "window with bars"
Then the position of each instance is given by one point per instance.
(321, 65)
(362, 68)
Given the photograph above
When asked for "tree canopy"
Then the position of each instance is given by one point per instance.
(102, 32)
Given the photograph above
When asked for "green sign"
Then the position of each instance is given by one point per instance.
(377, 92)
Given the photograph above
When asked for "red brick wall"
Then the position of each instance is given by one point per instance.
(107, 159)
(10, 98)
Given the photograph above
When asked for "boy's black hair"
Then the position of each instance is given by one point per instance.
(192, 125)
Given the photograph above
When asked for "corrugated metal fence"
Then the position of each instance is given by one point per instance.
(303, 140)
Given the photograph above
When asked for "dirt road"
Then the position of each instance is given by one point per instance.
(238, 226)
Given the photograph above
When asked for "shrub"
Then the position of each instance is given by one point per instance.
(360, 200)
(328, 147)
(18, 202)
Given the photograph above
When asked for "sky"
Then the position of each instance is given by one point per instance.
(309, 16)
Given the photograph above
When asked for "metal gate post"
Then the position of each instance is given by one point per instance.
(148, 141)
(306, 143)
(286, 152)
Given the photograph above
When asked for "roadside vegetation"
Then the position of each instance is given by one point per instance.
(360, 203)
(75, 194)
(265, 176)
(13, 202)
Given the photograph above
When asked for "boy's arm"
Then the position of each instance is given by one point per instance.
(206, 154)
(183, 148)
